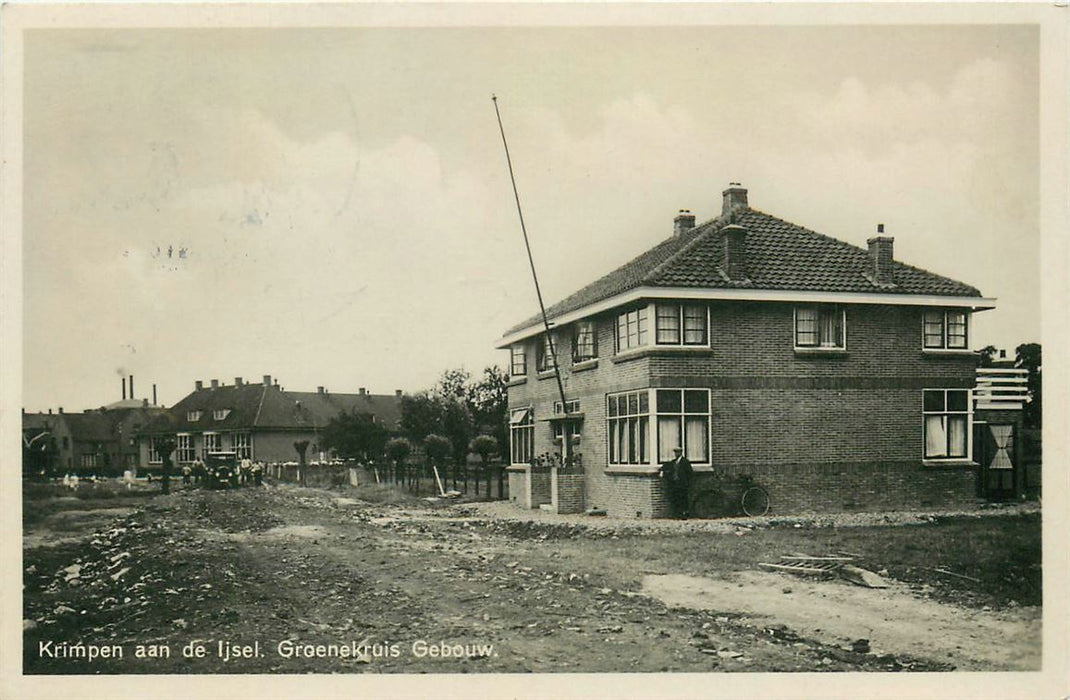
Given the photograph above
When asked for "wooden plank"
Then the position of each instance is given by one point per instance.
(803, 557)
(795, 569)
(1001, 370)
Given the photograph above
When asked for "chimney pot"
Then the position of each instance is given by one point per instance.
(684, 221)
(215, 383)
(237, 381)
(880, 257)
(199, 384)
(144, 402)
(153, 394)
(397, 393)
(733, 198)
(363, 391)
(267, 380)
(60, 409)
(50, 411)
(319, 390)
(735, 252)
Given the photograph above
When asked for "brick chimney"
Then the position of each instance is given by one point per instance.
(735, 197)
(735, 252)
(198, 385)
(880, 257)
(215, 383)
(237, 381)
(319, 390)
(684, 221)
(363, 391)
(267, 380)
(397, 393)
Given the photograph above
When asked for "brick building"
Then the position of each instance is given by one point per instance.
(838, 377)
(261, 421)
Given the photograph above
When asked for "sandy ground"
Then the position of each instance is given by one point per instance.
(893, 620)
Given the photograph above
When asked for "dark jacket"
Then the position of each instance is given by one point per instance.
(678, 472)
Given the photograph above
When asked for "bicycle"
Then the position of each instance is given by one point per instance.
(717, 501)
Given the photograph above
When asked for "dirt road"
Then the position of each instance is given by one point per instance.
(299, 580)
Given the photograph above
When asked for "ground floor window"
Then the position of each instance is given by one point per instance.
(947, 423)
(89, 461)
(154, 451)
(243, 445)
(210, 444)
(184, 448)
(681, 418)
(628, 427)
(521, 435)
(684, 421)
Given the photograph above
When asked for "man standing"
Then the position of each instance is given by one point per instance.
(677, 474)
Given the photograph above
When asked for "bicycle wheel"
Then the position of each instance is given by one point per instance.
(755, 501)
(707, 504)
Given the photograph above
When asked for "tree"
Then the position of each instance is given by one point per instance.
(987, 355)
(488, 400)
(355, 436)
(398, 450)
(301, 446)
(1027, 356)
(485, 446)
(165, 447)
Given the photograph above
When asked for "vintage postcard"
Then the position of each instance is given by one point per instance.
(517, 350)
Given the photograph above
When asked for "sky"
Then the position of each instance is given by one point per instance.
(332, 206)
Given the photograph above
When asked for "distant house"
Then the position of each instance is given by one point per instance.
(260, 421)
(98, 441)
(836, 376)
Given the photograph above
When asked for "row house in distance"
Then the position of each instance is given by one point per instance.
(259, 421)
(837, 377)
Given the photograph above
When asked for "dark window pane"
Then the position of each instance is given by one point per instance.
(957, 401)
(669, 401)
(934, 400)
(696, 401)
(644, 402)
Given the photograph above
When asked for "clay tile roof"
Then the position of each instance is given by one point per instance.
(779, 256)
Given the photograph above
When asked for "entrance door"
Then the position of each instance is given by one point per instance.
(995, 453)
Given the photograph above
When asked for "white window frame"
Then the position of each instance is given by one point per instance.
(154, 450)
(817, 346)
(543, 353)
(184, 449)
(945, 330)
(638, 428)
(591, 328)
(193, 416)
(89, 460)
(518, 360)
(521, 435)
(968, 455)
(639, 318)
(681, 321)
(683, 415)
(210, 437)
(242, 444)
(220, 413)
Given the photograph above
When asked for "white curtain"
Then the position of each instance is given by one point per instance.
(668, 437)
(1002, 436)
(956, 428)
(697, 439)
(935, 436)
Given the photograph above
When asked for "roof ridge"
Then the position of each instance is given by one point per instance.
(810, 231)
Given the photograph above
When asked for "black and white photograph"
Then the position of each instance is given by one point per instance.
(515, 350)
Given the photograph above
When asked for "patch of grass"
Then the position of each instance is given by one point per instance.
(1001, 552)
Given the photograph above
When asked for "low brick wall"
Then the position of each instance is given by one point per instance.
(813, 488)
(570, 488)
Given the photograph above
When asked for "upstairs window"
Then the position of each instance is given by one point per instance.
(584, 341)
(518, 360)
(947, 423)
(544, 359)
(944, 330)
(820, 327)
(633, 329)
(681, 324)
(220, 413)
(193, 416)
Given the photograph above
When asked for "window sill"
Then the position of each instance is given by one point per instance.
(949, 463)
(646, 351)
(548, 374)
(820, 352)
(651, 469)
(945, 352)
(517, 381)
(517, 468)
(585, 365)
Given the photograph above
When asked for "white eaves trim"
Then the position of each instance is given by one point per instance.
(974, 303)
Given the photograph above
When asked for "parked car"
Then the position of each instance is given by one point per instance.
(222, 469)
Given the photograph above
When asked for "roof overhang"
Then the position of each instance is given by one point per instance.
(781, 295)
